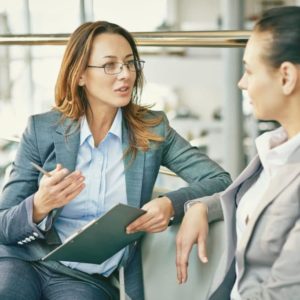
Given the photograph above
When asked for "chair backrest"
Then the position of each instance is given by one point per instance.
(159, 269)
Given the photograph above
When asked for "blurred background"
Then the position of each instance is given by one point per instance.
(196, 86)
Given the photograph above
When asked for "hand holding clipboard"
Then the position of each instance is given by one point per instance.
(99, 239)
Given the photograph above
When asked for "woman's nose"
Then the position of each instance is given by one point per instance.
(242, 83)
(125, 72)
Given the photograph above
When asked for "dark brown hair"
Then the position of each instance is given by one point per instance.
(284, 25)
(71, 100)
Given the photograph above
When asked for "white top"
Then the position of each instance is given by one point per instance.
(274, 150)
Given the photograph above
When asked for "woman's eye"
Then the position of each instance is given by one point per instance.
(131, 63)
(111, 65)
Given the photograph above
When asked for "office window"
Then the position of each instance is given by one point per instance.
(134, 15)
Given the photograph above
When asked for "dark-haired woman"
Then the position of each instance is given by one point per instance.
(101, 148)
(261, 208)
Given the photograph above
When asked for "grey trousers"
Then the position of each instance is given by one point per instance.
(35, 281)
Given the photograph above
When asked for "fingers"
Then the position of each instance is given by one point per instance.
(149, 222)
(57, 175)
(202, 250)
(138, 223)
(57, 190)
(183, 249)
(62, 192)
(150, 226)
(57, 168)
(70, 194)
(68, 182)
(157, 218)
(193, 229)
(69, 189)
(61, 178)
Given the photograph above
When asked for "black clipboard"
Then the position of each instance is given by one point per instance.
(99, 239)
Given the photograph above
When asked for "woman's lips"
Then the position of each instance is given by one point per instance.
(123, 91)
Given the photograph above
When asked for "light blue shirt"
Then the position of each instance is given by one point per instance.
(103, 169)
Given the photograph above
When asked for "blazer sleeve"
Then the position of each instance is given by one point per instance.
(204, 176)
(283, 281)
(16, 199)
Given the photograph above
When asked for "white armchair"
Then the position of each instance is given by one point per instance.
(159, 269)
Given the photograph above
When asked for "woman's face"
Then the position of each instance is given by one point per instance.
(260, 80)
(111, 91)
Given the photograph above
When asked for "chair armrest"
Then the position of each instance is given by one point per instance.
(159, 269)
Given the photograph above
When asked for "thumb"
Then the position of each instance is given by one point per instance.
(58, 167)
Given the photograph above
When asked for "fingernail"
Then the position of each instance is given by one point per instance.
(204, 260)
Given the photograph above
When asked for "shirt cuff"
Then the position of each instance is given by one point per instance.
(43, 224)
(214, 208)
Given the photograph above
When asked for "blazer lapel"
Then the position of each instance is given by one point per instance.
(66, 145)
(134, 171)
(66, 141)
(246, 173)
(287, 173)
(228, 198)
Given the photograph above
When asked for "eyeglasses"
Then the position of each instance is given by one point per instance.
(114, 68)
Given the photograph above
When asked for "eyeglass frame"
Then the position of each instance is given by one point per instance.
(121, 65)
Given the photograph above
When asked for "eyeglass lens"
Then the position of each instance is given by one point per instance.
(115, 68)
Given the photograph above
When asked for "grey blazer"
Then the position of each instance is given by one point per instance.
(46, 143)
(268, 254)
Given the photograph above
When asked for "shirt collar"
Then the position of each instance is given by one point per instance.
(274, 148)
(115, 129)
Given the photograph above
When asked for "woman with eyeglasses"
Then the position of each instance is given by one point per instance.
(100, 147)
(261, 209)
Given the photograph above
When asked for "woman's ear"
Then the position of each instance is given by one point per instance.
(289, 77)
(81, 81)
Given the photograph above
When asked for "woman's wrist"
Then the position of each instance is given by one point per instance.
(38, 214)
(201, 206)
